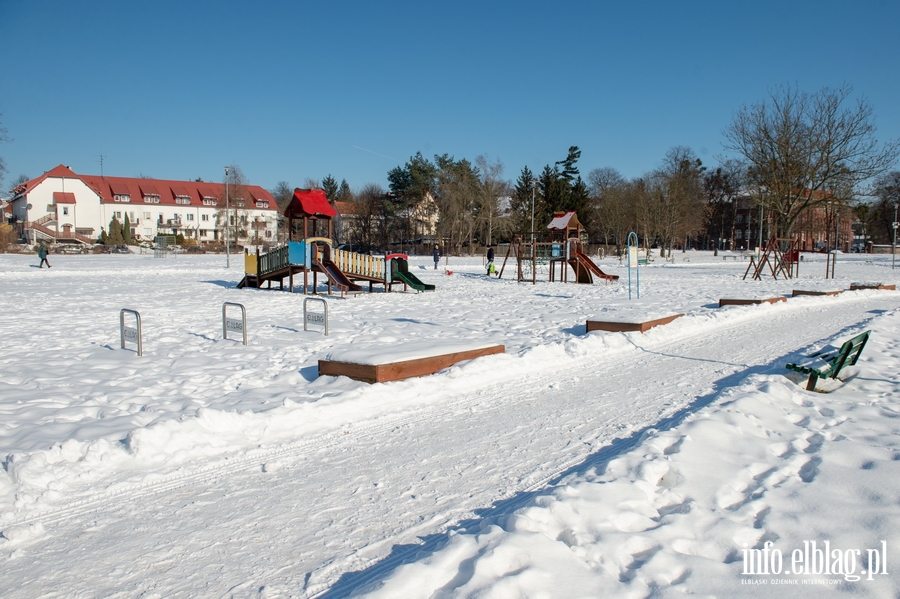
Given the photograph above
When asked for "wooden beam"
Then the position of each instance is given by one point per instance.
(395, 371)
(797, 292)
(624, 327)
(749, 302)
(874, 286)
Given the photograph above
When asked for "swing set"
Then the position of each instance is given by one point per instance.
(782, 256)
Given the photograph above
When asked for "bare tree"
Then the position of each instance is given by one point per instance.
(456, 194)
(372, 223)
(679, 197)
(283, 192)
(807, 149)
(606, 214)
(721, 187)
(4, 137)
(492, 187)
(236, 213)
(887, 192)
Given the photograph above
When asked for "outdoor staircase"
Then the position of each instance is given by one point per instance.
(49, 234)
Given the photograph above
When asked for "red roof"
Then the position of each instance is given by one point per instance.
(346, 207)
(57, 171)
(63, 197)
(136, 188)
(309, 202)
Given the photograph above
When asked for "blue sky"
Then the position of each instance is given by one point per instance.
(296, 90)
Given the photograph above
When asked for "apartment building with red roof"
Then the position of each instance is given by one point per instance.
(64, 206)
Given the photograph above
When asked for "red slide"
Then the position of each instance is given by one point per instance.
(336, 276)
(582, 259)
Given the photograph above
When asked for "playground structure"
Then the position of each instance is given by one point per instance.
(343, 270)
(782, 256)
(565, 251)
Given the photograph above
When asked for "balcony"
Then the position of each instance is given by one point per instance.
(172, 223)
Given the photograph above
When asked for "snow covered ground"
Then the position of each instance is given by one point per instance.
(574, 465)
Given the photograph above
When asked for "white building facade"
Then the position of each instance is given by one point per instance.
(63, 206)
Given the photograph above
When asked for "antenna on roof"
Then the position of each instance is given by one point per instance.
(101, 165)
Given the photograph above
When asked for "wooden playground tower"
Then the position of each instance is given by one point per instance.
(563, 249)
(780, 255)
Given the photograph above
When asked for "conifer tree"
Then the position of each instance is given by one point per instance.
(114, 237)
(330, 187)
(126, 231)
(520, 205)
(344, 194)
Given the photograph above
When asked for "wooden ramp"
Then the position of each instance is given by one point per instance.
(750, 302)
(624, 327)
(395, 371)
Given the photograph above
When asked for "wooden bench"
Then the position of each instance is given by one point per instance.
(750, 302)
(624, 327)
(835, 360)
(378, 371)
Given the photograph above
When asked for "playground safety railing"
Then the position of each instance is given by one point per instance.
(273, 260)
(359, 264)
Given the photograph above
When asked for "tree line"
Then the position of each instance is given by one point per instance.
(789, 153)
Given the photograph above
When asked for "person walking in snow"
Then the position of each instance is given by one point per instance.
(490, 261)
(42, 254)
(436, 254)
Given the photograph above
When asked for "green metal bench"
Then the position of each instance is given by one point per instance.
(835, 360)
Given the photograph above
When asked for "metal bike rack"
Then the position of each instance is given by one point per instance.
(315, 317)
(233, 324)
(131, 334)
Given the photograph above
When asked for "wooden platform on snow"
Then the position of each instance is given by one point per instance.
(750, 302)
(856, 286)
(797, 292)
(372, 370)
(625, 327)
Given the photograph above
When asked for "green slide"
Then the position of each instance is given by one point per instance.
(400, 271)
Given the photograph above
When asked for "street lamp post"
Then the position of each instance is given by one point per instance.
(894, 224)
(227, 241)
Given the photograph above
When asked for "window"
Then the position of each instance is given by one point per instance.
(262, 204)
(65, 210)
(190, 217)
(268, 233)
(122, 197)
(738, 234)
(182, 200)
(151, 199)
(148, 232)
(147, 215)
(118, 214)
(739, 218)
(204, 217)
(239, 203)
(210, 202)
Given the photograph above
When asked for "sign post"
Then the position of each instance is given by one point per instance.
(131, 334)
(315, 317)
(232, 324)
(632, 259)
